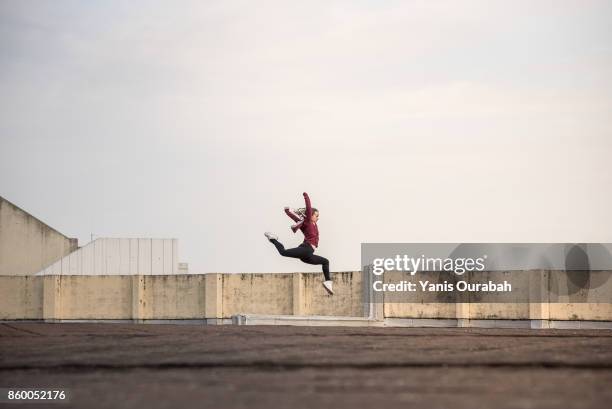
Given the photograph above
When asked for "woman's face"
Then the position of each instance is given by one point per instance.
(315, 216)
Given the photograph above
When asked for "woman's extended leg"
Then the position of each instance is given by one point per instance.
(298, 252)
(314, 259)
(305, 252)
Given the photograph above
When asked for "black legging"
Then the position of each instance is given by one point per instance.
(304, 252)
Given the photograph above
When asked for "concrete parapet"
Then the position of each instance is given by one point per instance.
(217, 297)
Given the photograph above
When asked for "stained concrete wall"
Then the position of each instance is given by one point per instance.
(95, 297)
(347, 300)
(21, 297)
(256, 294)
(170, 296)
(28, 245)
(194, 296)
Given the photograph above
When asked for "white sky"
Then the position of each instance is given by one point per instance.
(411, 121)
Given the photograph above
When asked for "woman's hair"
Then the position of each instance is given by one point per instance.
(302, 211)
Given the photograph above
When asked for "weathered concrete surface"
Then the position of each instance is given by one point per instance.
(21, 297)
(27, 245)
(222, 295)
(102, 297)
(169, 366)
(257, 293)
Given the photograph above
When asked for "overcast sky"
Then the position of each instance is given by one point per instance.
(411, 121)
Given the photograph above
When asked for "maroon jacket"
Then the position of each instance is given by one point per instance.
(310, 229)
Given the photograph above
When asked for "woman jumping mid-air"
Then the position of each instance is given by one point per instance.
(305, 251)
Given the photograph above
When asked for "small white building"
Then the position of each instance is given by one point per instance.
(121, 256)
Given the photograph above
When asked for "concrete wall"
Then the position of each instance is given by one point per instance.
(168, 297)
(28, 245)
(95, 297)
(219, 296)
(21, 297)
(256, 294)
(347, 300)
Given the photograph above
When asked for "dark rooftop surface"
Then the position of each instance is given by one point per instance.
(180, 366)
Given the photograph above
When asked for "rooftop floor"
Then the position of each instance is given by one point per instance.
(169, 366)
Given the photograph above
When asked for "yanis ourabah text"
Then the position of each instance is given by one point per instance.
(461, 286)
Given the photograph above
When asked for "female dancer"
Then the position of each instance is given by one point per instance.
(305, 251)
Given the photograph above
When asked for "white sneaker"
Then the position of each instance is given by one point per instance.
(328, 286)
(270, 236)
